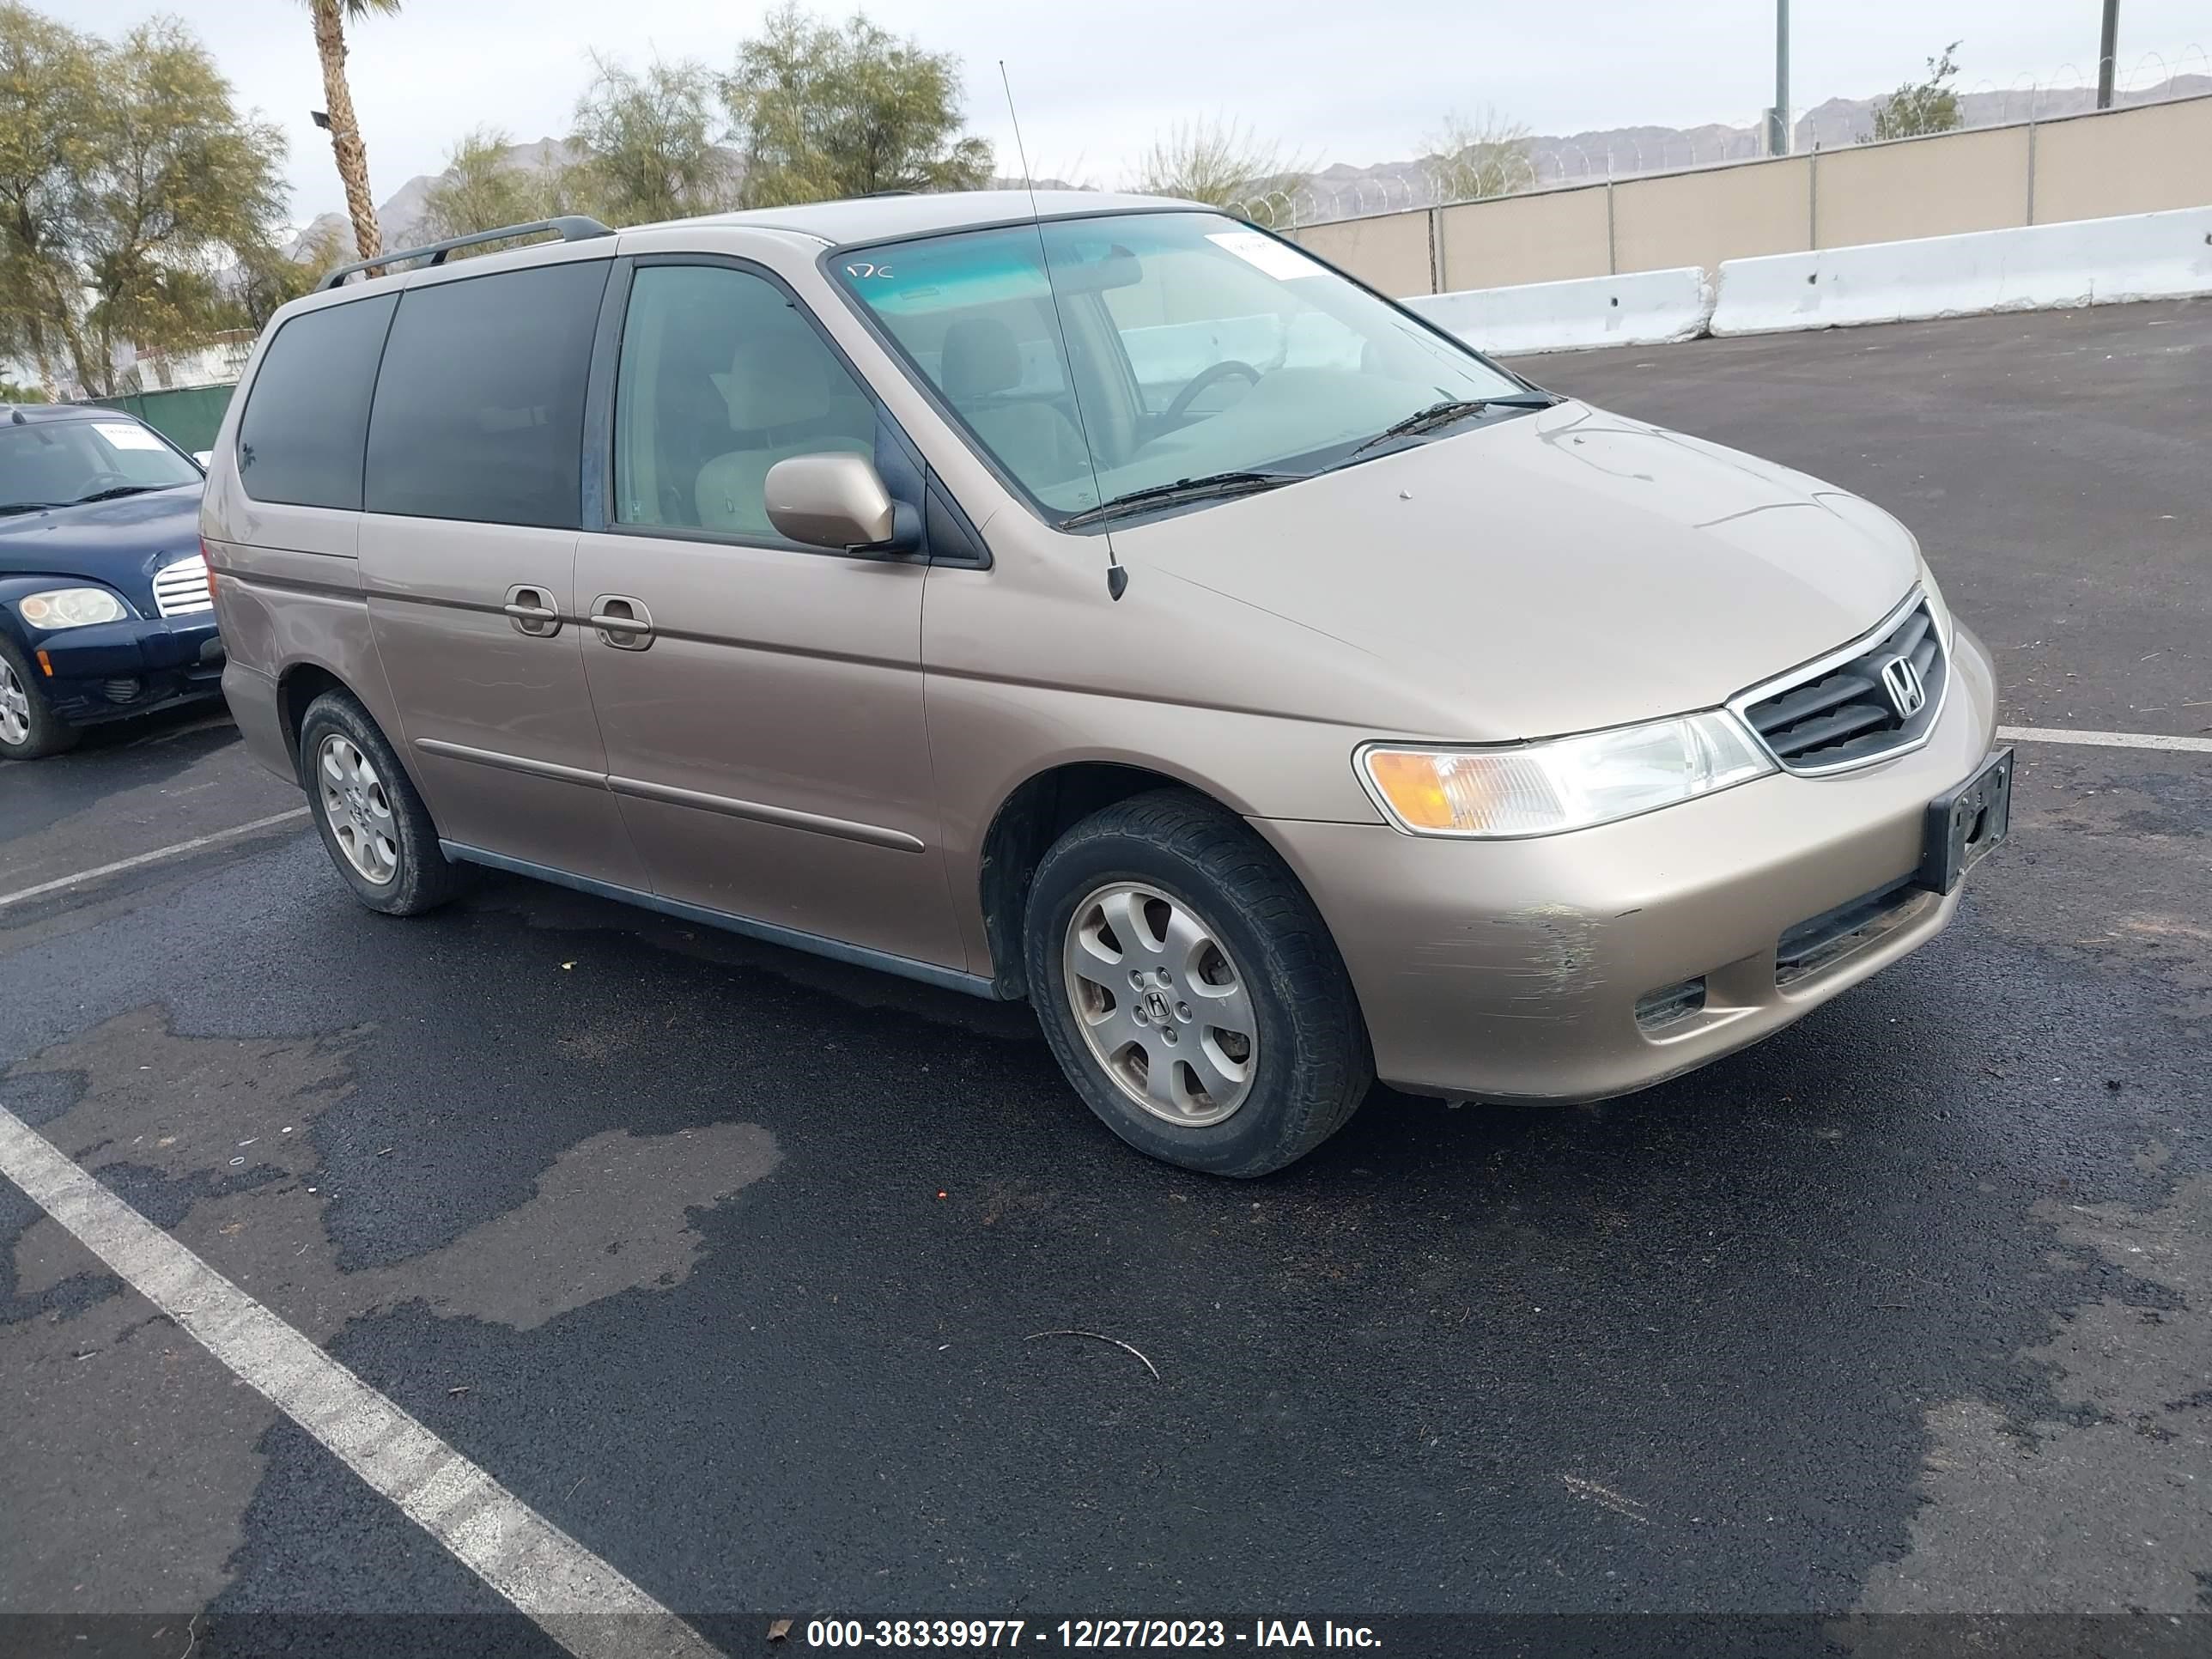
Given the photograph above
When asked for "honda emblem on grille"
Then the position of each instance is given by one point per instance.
(1900, 683)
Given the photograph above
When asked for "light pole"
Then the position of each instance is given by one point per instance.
(2106, 51)
(1778, 118)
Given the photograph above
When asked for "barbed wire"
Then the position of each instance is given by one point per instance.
(2152, 76)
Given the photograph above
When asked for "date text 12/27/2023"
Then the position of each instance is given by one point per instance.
(1086, 1633)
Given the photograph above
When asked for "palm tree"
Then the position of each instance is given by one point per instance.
(330, 18)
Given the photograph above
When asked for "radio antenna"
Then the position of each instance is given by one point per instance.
(1117, 576)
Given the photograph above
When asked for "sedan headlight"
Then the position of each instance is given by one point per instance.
(1564, 783)
(70, 607)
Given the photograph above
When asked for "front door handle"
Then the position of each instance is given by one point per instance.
(532, 611)
(622, 622)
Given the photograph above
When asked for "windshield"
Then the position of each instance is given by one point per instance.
(1195, 346)
(60, 463)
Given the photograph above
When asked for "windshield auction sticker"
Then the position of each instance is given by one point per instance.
(122, 434)
(1278, 259)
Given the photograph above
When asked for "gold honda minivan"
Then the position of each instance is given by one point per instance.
(1098, 601)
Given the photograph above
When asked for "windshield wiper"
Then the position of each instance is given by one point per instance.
(1245, 482)
(29, 507)
(1444, 413)
(117, 491)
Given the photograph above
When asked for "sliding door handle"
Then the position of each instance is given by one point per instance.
(622, 622)
(532, 611)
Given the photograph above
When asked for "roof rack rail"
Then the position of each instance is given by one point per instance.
(570, 227)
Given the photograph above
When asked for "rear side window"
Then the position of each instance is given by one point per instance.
(300, 438)
(479, 409)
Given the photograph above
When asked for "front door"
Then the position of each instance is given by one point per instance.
(468, 550)
(761, 701)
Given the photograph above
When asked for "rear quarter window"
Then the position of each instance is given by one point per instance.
(479, 411)
(306, 421)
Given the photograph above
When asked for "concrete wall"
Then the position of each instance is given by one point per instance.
(2074, 262)
(2142, 160)
(2134, 161)
(1543, 237)
(1922, 187)
(1390, 252)
(1719, 213)
(1643, 308)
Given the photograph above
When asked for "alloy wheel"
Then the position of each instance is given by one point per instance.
(14, 706)
(358, 809)
(1162, 1006)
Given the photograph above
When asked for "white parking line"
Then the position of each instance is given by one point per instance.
(154, 857)
(2104, 739)
(576, 1598)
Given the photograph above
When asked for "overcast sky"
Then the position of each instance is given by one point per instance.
(1360, 83)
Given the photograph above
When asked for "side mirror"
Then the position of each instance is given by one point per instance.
(838, 500)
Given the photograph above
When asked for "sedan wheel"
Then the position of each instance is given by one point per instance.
(29, 729)
(15, 707)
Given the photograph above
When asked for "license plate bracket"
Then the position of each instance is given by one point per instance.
(1964, 823)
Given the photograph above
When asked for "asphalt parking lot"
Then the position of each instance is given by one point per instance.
(730, 1264)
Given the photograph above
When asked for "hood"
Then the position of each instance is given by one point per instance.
(119, 544)
(1555, 572)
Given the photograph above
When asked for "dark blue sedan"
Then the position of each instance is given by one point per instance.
(104, 606)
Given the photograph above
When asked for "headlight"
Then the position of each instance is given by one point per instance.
(1566, 783)
(70, 607)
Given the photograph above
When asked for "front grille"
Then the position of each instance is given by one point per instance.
(1821, 941)
(181, 588)
(1840, 714)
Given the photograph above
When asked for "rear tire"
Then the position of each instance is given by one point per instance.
(373, 825)
(1191, 990)
(29, 728)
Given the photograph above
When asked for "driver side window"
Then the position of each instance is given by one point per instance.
(721, 376)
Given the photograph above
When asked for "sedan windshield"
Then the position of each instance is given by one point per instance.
(63, 463)
(1197, 351)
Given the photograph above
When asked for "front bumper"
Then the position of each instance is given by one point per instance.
(1514, 969)
(131, 667)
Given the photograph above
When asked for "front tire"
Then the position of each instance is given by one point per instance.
(29, 728)
(373, 825)
(1191, 990)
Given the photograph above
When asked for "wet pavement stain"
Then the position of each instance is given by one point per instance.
(214, 1138)
(2107, 1507)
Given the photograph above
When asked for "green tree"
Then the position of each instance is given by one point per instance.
(130, 187)
(180, 186)
(12, 393)
(822, 112)
(645, 144)
(268, 276)
(1480, 156)
(1216, 161)
(330, 18)
(485, 186)
(49, 91)
(1920, 107)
